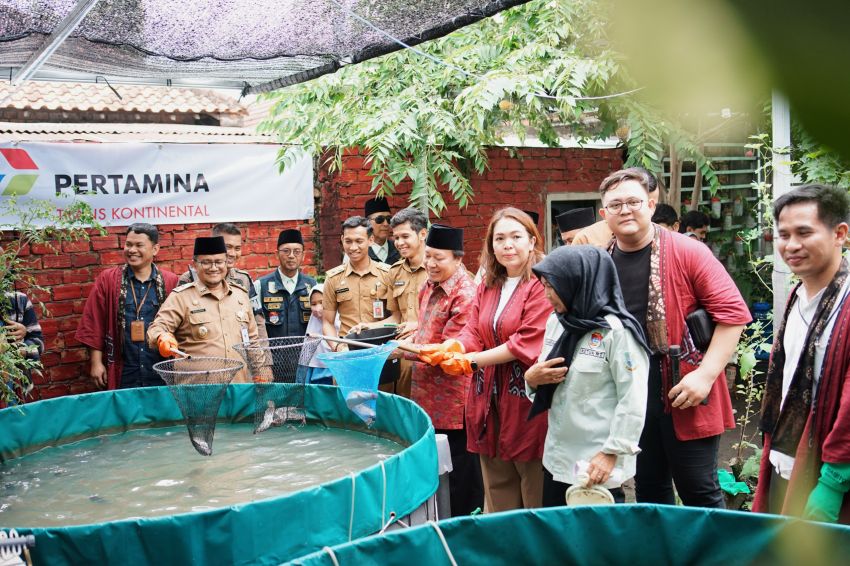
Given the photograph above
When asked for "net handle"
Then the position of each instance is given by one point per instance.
(405, 347)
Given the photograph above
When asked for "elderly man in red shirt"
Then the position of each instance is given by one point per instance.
(444, 304)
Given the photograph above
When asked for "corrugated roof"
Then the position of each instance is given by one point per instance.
(35, 95)
(171, 133)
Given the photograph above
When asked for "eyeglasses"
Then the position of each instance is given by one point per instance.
(284, 251)
(617, 207)
(381, 219)
(208, 263)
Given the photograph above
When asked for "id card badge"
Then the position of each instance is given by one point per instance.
(137, 330)
(378, 309)
(245, 338)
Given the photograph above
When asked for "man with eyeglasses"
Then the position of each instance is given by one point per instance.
(599, 233)
(666, 276)
(285, 292)
(382, 248)
(120, 307)
(208, 316)
(233, 243)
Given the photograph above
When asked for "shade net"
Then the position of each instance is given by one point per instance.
(357, 374)
(198, 385)
(278, 360)
(264, 44)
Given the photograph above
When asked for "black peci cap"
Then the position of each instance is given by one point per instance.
(575, 219)
(444, 237)
(534, 216)
(291, 236)
(376, 205)
(209, 245)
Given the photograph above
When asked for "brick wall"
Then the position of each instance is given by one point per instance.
(522, 181)
(69, 276)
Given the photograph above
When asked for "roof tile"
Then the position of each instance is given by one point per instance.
(33, 95)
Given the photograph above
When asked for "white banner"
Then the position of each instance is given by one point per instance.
(159, 183)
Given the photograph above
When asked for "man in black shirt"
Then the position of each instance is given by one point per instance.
(665, 276)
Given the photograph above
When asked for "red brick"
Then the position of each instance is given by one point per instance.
(46, 278)
(78, 276)
(81, 260)
(82, 386)
(64, 372)
(74, 355)
(51, 391)
(112, 258)
(104, 243)
(62, 292)
(61, 309)
(78, 246)
(57, 261)
(41, 249)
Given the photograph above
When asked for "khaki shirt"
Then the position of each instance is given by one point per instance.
(205, 325)
(243, 279)
(355, 297)
(403, 286)
(598, 234)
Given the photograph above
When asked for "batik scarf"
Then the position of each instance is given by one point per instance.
(786, 421)
(656, 310)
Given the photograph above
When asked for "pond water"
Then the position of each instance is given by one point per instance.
(154, 472)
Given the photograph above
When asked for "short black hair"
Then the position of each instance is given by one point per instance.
(417, 219)
(148, 230)
(226, 228)
(693, 219)
(833, 203)
(665, 214)
(357, 222)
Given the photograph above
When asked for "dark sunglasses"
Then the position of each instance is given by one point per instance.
(381, 219)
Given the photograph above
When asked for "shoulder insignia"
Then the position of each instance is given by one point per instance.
(382, 266)
(184, 286)
(399, 263)
(239, 285)
(335, 271)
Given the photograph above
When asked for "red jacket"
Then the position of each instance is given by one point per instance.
(99, 328)
(826, 437)
(497, 409)
(693, 278)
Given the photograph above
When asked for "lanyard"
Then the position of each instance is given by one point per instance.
(135, 300)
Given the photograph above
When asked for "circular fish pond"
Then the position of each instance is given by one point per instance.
(600, 535)
(112, 477)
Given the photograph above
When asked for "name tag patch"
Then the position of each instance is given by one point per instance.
(591, 353)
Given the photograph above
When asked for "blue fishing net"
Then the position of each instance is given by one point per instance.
(357, 373)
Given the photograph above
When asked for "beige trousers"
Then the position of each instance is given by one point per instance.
(511, 484)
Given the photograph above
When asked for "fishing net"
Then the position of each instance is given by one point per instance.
(198, 385)
(276, 361)
(357, 374)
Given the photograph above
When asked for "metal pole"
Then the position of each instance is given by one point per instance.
(781, 118)
(53, 41)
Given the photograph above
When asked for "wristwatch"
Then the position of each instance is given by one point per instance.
(474, 365)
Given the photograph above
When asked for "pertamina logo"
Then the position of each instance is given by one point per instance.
(20, 183)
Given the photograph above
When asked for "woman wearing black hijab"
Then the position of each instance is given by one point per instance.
(592, 372)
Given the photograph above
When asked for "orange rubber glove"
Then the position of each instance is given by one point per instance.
(457, 364)
(433, 354)
(166, 342)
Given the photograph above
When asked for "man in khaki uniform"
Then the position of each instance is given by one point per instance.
(355, 289)
(208, 316)
(233, 242)
(403, 281)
